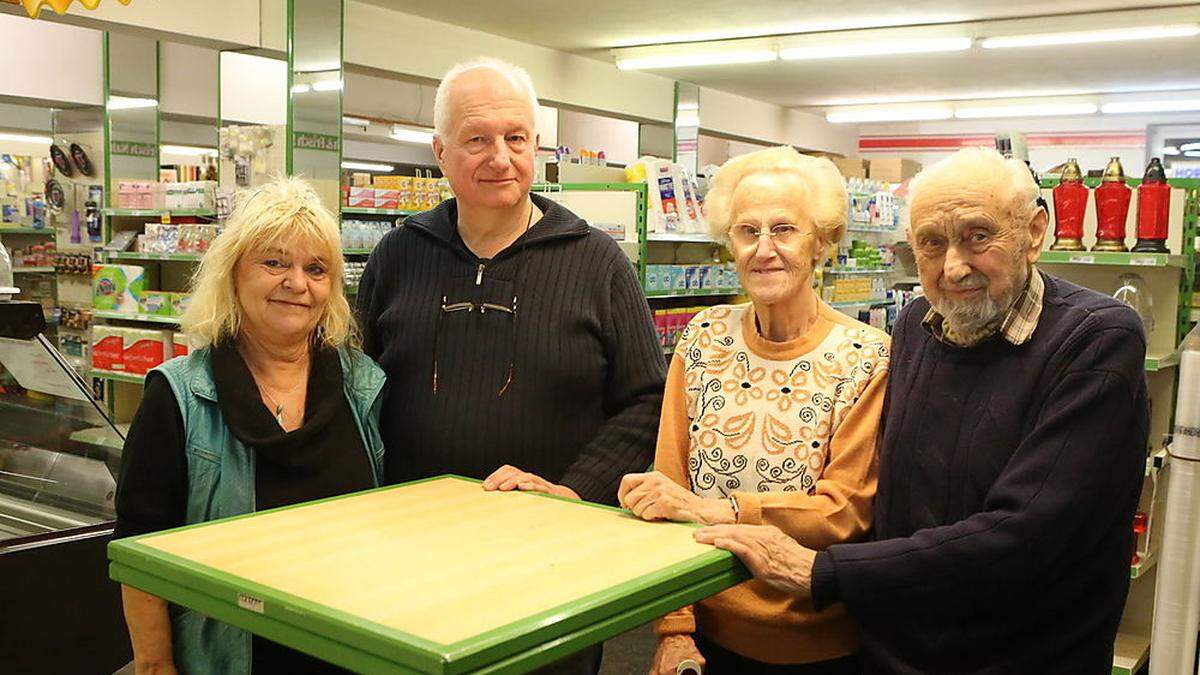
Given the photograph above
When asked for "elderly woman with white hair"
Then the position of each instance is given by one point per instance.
(770, 416)
(277, 407)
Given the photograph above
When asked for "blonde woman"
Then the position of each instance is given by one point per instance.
(277, 407)
(770, 417)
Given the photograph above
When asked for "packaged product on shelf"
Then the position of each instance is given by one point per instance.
(404, 188)
(118, 288)
(387, 198)
(157, 303)
(690, 279)
(145, 349)
(665, 200)
(651, 278)
(108, 347)
(360, 197)
(179, 303)
(135, 195)
(180, 344)
(678, 278)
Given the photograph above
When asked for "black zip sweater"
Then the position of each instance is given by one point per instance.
(1008, 479)
(583, 404)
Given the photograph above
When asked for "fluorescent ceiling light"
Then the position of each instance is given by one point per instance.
(1084, 37)
(1151, 106)
(125, 103)
(26, 138)
(1035, 110)
(327, 85)
(368, 166)
(191, 150)
(301, 88)
(1169, 150)
(866, 48)
(409, 135)
(713, 58)
(1192, 153)
(355, 121)
(889, 115)
(1189, 147)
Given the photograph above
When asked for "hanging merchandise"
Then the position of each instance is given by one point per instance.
(61, 162)
(1177, 595)
(81, 159)
(1132, 291)
(1154, 209)
(1070, 206)
(92, 212)
(55, 196)
(1112, 208)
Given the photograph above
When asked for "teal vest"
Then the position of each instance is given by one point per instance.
(221, 484)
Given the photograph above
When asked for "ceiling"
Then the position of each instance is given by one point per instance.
(976, 73)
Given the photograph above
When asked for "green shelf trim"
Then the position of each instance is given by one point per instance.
(694, 238)
(149, 318)
(696, 293)
(863, 227)
(152, 213)
(1157, 363)
(368, 211)
(21, 229)
(32, 270)
(357, 251)
(859, 303)
(118, 377)
(841, 271)
(1144, 566)
(136, 255)
(1113, 258)
(1182, 183)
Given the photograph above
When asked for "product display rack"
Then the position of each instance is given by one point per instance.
(1170, 275)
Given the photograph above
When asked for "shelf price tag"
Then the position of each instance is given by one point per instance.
(166, 218)
(1082, 259)
(1148, 261)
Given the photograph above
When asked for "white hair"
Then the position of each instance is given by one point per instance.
(515, 75)
(983, 167)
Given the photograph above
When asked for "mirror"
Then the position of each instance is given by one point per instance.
(315, 84)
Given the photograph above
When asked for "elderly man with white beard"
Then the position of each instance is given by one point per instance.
(1015, 430)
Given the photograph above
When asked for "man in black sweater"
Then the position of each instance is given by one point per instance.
(1015, 437)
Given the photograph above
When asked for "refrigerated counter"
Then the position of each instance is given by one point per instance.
(59, 458)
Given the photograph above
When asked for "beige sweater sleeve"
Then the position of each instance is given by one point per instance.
(670, 458)
(839, 509)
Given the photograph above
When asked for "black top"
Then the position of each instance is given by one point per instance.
(583, 405)
(1008, 480)
(323, 458)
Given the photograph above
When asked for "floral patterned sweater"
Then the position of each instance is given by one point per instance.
(790, 431)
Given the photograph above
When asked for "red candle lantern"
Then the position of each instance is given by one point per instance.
(1154, 209)
(1070, 206)
(1112, 208)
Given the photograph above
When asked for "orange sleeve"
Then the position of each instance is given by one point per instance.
(670, 458)
(839, 509)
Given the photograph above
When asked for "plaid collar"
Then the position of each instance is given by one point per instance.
(1016, 327)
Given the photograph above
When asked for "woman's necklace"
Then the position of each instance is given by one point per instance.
(266, 391)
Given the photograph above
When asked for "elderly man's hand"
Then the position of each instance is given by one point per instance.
(508, 478)
(654, 496)
(771, 556)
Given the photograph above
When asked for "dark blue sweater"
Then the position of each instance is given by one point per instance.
(1008, 480)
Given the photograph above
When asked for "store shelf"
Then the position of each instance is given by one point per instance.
(859, 303)
(154, 213)
(360, 210)
(357, 251)
(8, 228)
(1144, 566)
(1157, 362)
(1129, 653)
(32, 270)
(864, 227)
(118, 377)
(102, 437)
(350, 290)
(846, 271)
(682, 238)
(694, 293)
(149, 318)
(1112, 258)
(135, 255)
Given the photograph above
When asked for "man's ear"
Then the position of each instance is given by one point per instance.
(1037, 234)
(438, 149)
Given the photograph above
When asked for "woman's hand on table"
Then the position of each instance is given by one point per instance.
(771, 556)
(508, 478)
(673, 650)
(654, 496)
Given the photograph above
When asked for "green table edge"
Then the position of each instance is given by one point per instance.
(714, 571)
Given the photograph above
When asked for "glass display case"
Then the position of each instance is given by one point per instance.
(59, 459)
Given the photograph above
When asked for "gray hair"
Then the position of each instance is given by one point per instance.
(982, 166)
(516, 76)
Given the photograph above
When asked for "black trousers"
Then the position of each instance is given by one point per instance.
(721, 661)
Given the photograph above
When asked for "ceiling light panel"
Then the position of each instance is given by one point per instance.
(1091, 36)
(1165, 106)
(1033, 110)
(888, 115)
(698, 58)
(876, 48)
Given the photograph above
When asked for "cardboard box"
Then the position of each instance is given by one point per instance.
(893, 169)
(851, 167)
